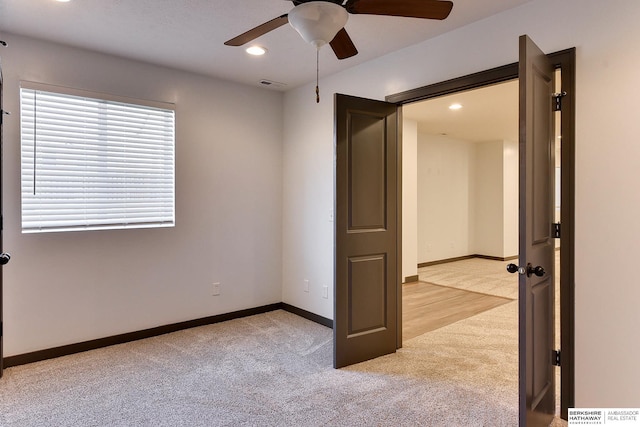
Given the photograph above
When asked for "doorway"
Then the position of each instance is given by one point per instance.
(460, 164)
(348, 137)
(464, 150)
(564, 61)
(460, 161)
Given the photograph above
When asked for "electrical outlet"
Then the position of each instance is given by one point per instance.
(215, 289)
(305, 285)
(325, 292)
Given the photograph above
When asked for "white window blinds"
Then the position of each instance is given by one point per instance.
(94, 163)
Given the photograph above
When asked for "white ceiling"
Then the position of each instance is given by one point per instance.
(189, 34)
(489, 113)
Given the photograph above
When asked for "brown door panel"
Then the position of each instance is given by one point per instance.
(367, 277)
(537, 246)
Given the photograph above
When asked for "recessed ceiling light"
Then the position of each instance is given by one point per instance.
(63, 1)
(256, 50)
(455, 107)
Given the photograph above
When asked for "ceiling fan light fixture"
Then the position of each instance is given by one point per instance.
(318, 22)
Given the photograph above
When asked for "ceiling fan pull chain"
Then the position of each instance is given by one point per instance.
(317, 75)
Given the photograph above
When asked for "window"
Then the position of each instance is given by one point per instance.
(92, 161)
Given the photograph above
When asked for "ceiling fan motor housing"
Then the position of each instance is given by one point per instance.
(318, 22)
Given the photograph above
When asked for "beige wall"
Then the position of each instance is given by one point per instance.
(63, 288)
(488, 200)
(510, 191)
(465, 204)
(409, 198)
(446, 170)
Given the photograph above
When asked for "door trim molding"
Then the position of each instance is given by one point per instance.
(458, 84)
(566, 61)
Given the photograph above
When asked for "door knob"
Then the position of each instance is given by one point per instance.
(4, 258)
(512, 268)
(538, 271)
(529, 270)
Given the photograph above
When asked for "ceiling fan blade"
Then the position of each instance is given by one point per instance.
(343, 46)
(428, 9)
(258, 31)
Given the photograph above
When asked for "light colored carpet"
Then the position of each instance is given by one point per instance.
(474, 274)
(490, 277)
(273, 369)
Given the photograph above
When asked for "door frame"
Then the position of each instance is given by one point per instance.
(565, 60)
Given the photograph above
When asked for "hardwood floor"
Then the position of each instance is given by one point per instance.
(426, 307)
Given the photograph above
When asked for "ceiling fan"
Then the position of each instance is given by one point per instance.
(322, 21)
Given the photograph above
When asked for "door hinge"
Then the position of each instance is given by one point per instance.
(557, 100)
(557, 230)
(555, 358)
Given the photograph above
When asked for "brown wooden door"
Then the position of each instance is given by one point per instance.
(537, 248)
(367, 230)
(1, 291)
